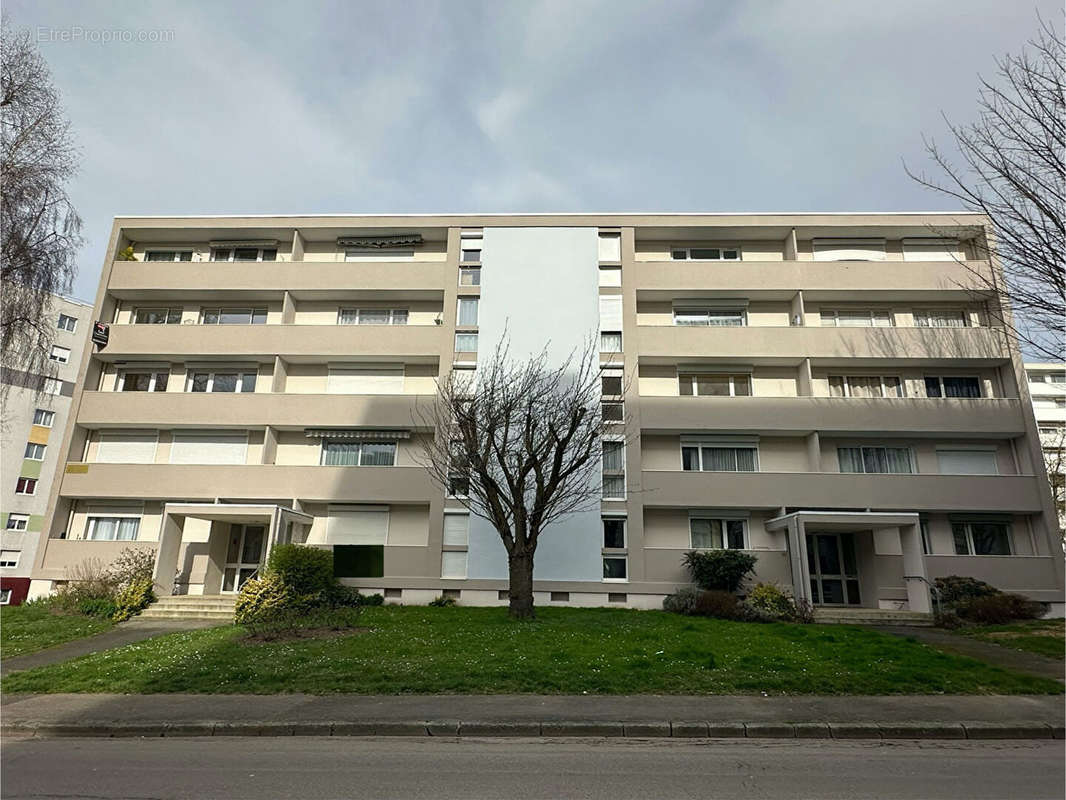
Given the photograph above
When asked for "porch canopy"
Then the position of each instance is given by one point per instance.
(883, 525)
(275, 518)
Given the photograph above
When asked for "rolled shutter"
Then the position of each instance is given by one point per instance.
(357, 526)
(849, 249)
(209, 448)
(126, 448)
(365, 380)
(967, 462)
(610, 313)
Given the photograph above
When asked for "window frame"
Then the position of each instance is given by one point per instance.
(624, 521)
(66, 318)
(466, 336)
(625, 561)
(173, 315)
(153, 380)
(687, 250)
(701, 446)
(723, 522)
(221, 310)
(231, 256)
(360, 443)
(17, 517)
(62, 357)
(52, 386)
(15, 563)
(241, 374)
(473, 273)
(5, 597)
(872, 311)
(91, 521)
(619, 473)
(943, 394)
(964, 316)
(32, 446)
(25, 481)
(911, 459)
(460, 300)
(45, 414)
(394, 315)
(176, 255)
(990, 450)
(732, 376)
(607, 345)
(845, 378)
(967, 526)
(709, 312)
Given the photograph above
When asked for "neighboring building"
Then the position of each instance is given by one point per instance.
(819, 389)
(1047, 387)
(31, 431)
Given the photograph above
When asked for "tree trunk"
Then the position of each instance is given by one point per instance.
(520, 567)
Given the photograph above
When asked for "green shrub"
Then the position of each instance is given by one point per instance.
(133, 599)
(132, 566)
(291, 623)
(341, 596)
(103, 607)
(440, 601)
(304, 570)
(957, 588)
(372, 600)
(264, 598)
(771, 601)
(999, 608)
(719, 570)
(719, 605)
(89, 585)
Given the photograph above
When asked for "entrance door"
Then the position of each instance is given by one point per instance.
(834, 570)
(243, 556)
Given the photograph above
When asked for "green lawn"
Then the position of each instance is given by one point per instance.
(28, 628)
(1047, 637)
(567, 650)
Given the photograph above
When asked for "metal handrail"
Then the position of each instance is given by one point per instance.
(932, 588)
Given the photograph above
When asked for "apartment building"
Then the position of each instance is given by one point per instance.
(827, 391)
(36, 411)
(1047, 387)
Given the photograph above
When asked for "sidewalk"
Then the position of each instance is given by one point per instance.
(882, 717)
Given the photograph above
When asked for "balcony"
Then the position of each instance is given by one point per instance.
(172, 409)
(954, 416)
(819, 279)
(829, 490)
(347, 342)
(132, 279)
(962, 346)
(196, 482)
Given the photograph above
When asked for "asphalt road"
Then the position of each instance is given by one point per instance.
(517, 769)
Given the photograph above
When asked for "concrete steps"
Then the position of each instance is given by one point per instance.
(217, 607)
(871, 616)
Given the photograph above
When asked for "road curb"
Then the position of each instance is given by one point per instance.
(682, 729)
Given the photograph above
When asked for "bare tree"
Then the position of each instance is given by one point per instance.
(41, 231)
(1013, 171)
(521, 446)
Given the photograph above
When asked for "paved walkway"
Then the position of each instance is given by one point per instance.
(135, 630)
(1005, 657)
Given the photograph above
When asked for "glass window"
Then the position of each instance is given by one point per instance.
(60, 354)
(1056, 377)
(470, 276)
(614, 532)
(466, 342)
(471, 253)
(612, 412)
(705, 253)
(615, 568)
(857, 318)
(157, 316)
(168, 255)
(52, 386)
(67, 323)
(712, 385)
(26, 486)
(9, 558)
(611, 384)
(43, 417)
(143, 381)
(234, 316)
(222, 382)
(879, 460)
(718, 459)
(952, 387)
(374, 316)
(614, 479)
(467, 314)
(34, 451)
(109, 529)
(719, 318)
(611, 342)
(981, 538)
(717, 533)
(17, 522)
(358, 454)
(941, 318)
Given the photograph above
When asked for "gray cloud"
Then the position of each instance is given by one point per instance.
(541, 105)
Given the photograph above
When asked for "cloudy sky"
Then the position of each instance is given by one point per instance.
(511, 105)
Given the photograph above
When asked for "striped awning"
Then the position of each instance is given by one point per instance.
(381, 242)
(364, 434)
(245, 243)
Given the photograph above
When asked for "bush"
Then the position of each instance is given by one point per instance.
(133, 599)
(719, 570)
(291, 623)
(372, 600)
(956, 588)
(264, 598)
(683, 601)
(770, 600)
(304, 570)
(89, 586)
(442, 602)
(999, 608)
(103, 607)
(342, 596)
(132, 566)
(719, 605)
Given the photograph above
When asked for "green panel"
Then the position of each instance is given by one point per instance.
(3, 521)
(30, 468)
(36, 522)
(359, 560)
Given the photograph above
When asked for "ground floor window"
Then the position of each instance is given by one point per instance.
(9, 558)
(112, 529)
(615, 568)
(359, 560)
(717, 534)
(453, 564)
(981, 538)
(5, 597)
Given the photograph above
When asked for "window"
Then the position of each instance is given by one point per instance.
(34, 451)
(613, 412)
(378, 254)
(209, 447)
(234, 316)
(9, 558)
(117, 447)
(610, 246)
(848, 249)
(371, 379)
(611, 342)
(60, 354)
(614, 533)
(881, 460)
(709, 533)
(26, 486)
(470, 276)
(865, 386)
(372, 316)
(67, 323)
(857, 318)
(939, 386)
(43, 417)
(467, 312)
(143, 381)
(244, 254)
(471, 251)
(705, 253)
(713, 317)
(453, 563)
(615, 568)
(932, 249)
(1056, 377)
(157, 316)
(466, 342)
(240, 382)
(359, 561)
(614, 470)
(112, 529)
(358, 454)
(981, 538)
(713, 385)
(611, 383)
(964, 461)
(923, 530)
(716, 458)
(456, 529)
(17, 522)
(5, 597)
(52, 386)
(611, 276)
(941, 318)
(169, 255)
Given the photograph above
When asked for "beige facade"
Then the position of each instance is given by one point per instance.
(826, 391)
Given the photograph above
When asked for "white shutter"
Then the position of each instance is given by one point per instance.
(457, 529)
(383, 379)
(209, 447)
(126, 448)
(453, 564)
(610, 247)
(849, 249)
(932, 250)
(357, 526)
(967, 462)
(610, 276)
(610, 312)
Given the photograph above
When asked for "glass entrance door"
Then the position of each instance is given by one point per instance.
(243, 555)
(834, 569)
